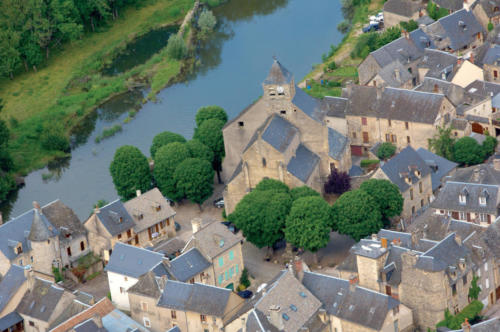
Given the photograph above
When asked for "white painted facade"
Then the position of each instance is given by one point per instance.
(118, 286)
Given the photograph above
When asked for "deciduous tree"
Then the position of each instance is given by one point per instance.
(303, 191)
(210, 112)
(164, 138)
(194, 178)
(386, 195)
(467, 151)
(167, 158)
(442, 142)
(386, 151)
(272, 184)
(338, 182)
(210, 134)
(199, 150)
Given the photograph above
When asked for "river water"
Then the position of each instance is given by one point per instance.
(234, 62)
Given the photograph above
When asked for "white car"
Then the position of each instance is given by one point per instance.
(373, 18)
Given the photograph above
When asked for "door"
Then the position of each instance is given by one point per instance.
(477, 128)
(498, 292)
(365, 137)
(356, 150)
(455, 215)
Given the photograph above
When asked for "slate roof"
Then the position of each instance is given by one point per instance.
(188, 265)
(257, 321)
(148, 285)
(440, 167)
(444, 254)
(303, 163)
(425, 20)
(64, 219)
(213, 239)
(483, 88)
(405, 238)
(278, 74)
(356, 171)
(400, 165)
(199, 298)
(488, 7)
(10, 284)
(70, 310)
(41, 229)
(132, 261)
(396, 104)
(492, 55)
(41, 302)
(490, 325)
(460, 124)
(335, 106)
(455, 93)
(404, 50)
(403, 7)
(144, 209)
(10, 320)
(88, 326)
(440, 64)
(279, 133)
(361, 306)
(110, 215)
(388, 74)
(175, 329)
(452, 5)
(337, 143)
(169, 247)
(482, 173)
(309, 105)
(117, 321)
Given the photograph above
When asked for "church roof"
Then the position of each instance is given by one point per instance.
(278, 74)
(279, 133)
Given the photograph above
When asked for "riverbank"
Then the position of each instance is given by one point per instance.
(59, 96)
(325, 80)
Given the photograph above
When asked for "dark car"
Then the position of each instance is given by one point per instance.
(246, 294)
(371, 27)
(219, 203)
(230, 226)
(177, 226)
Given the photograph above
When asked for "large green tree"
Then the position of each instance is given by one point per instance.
(130, 171)
(210, 134)
(489, 145)
(303, 191)
(199, 150)
(467, 151)
(194, 179)
(163, 139)
(308, 225)
(210, 112)
(387, 196)
(272, 184)
(386, 151)
(261, 216)
(167, 158)
(442, 143)
(356, 214)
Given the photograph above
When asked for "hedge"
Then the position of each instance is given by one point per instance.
(470, 312)
(369, 162)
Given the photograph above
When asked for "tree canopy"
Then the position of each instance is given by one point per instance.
(167, 158)
(272, 184)
(206, 22)
(489, 145)
(386, 151)
(210, 112)
(194, 179)
(467, 151)
(308, 225)
(442, 143)
(199, 150)
(176, 47)
(130, 171)
(303, 191)
(387, 196)
(210, 134)
(337, 182)
(356, 214)
(164, 138)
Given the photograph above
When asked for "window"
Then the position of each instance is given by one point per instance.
(231, 272)
(411, 193)
(19, 250)
(147, 322)
(144, 306)
(82, 246)
(495, 74)
(407, 125)
(482, 200)
(236, 270)
(420, 189)
(285, 317)
(387, 137)
(353, 135)
(173, 314)
(119, 236)
(158, 208)
(129, 233)
(389, 122)
(364, 121)
(462, 215)
(454, 289)
(168, 222)
(136, 239)
(421, 203)
(365, 137)
(31, 258)
(21, 262)
(487, 283)
(221, 261)
(191, 281)
(162, 225)
(462, 199)
(240, 124)
(412, 210)
(122, 290)
(388, 290)
(231, 255)
(283, 112)
(482, 217)
(485, 267)
(408, 139)
(221, 278)
(125, 278)
(68, 250)
(226, 275)
(394, 139)
(264, 162)
(203, 318)
(31, 323)
(464, 280)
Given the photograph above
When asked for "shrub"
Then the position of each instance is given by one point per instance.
(338, 182)
(344, 27)
(54, 139)
(470, 312)
(369, 162)
(244, 280)
(467, 151)
(490, 26)
(489, 145)
(207, 21)
(409, 26)
(57, 274)
(386, 151)
(176, 47)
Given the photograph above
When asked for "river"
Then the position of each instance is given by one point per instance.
(234, 62)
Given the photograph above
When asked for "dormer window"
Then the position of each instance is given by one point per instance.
(19, 249)
(462, 199)
(482, 201)
(158, 208)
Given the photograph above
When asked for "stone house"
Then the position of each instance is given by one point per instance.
(486, 117)
(160, 304)
(221, 249)
(437, 64)
(472, 194)
(282, 136)
(126, 264)
(450, 5)
(142, 221)
(43, 237)
(441, 168)
(488, 58)
(467, 73)
(487, 11)
(403, 117)
(393, 75)
(12, 322)
(396, 11)
(12, 288)
(412, 175)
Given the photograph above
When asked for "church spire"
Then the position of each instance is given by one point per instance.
(278, 74)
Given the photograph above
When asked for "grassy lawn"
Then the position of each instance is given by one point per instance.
(69, 85)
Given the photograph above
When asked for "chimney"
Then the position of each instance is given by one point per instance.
(348, 88)
(37, 206)
(475, 175)
(405, 34)
(30, 277)
(138, 193)
(196, 224)
(397, 74)
(383, 242)
(466, 326)
(374, 237)
(459, 62)
(166, 261)
(379, 92)
(243, 324)
(322, 315)
(275, 317)
(458, 239)
(471, 59)
(97, 209)
(496, 163)
(298, 269)
(353, 282)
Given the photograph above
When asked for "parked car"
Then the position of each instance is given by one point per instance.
(373, 26)
(177, 226)
(230, 226)
(246, 294)
(219, 203)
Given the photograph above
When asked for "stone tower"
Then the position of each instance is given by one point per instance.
(44, 243)
(279, 88)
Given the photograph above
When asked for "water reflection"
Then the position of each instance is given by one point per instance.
(245, 10)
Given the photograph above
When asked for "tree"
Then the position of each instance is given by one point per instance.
(308, 225)
(467, 151)
(338, 182)
(53, 138)
(261, 216)
(9, 54)
(164, 138)
(386, 151)
(386, 195)
(434, 12)
(210, 134)
(6, 162)
(356, 214)
(194, 178)
(167, 158)
(344, 27)
(474, 289)
(244, 280)
(489, 145)
(442, 143)
(303, 191)
(7, 184)
(210, 112)
(199, 150)
(273, 185)
(130, 171)
(206, 22)
(409, 26)
(176, 47)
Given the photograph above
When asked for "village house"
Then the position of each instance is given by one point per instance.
(282, 136)
(486, 117)
(12, 288)
(437, 64)
(441, 168)
(472, 194)
(396, 11)
(142, 221)
(451, 5)
(402, 117)
(44, 237)
(487, 11)
(221, 249)
(126, 264)
(488, 57)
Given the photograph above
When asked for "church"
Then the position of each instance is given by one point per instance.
(283, 136)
